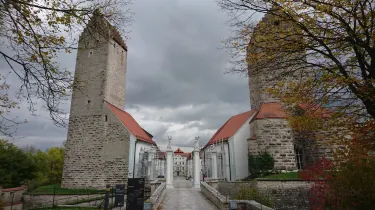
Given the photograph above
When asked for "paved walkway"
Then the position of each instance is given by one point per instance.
(184, 197)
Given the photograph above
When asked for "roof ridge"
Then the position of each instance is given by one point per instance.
(277, 110)
(231, 119)
(259, 111)
(133, 132)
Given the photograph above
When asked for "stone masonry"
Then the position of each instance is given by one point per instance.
(97, 146)
(275, 137)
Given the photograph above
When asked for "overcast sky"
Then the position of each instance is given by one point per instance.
(175, 82)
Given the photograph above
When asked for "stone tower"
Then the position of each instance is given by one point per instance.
(274, 59)
(97, 147)
(266, 68)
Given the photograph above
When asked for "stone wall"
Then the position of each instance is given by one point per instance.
(250, 205)
(286, 194)
(314, 149)
(231, 189)
(12, 197)
(97, 151)
(258, 85)
(157, 196)
(222, 202)
(275, 137)
(45, 201)
(266, 69)
(97, 147)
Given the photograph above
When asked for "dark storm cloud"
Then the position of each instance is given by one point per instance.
(186, 67)
(175, 81)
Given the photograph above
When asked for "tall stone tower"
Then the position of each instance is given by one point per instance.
(259, 78)
(271, 61)
(97, 147)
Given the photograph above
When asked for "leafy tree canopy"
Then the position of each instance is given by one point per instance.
(16, 167)
(33, 34)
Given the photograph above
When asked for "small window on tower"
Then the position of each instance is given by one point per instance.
(106, 118)
(90, 53)
(88, 101)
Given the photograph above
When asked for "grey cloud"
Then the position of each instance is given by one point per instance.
(173, 61)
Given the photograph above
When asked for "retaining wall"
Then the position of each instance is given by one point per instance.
(286, 194)
(11, 197)
(158, 195)
(222, 201)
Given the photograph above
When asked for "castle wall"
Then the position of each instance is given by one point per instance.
(258, 85)
(116, 75)
(275, 137)
(97, 148)
(315, 149)
(97, 152)
(89, 77)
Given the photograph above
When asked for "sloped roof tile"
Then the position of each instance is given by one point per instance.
(130, 124)
(316, 110)
(178, 151)
(271, 110)
(230, 127)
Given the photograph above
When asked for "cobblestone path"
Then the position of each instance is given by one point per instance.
(184, 197)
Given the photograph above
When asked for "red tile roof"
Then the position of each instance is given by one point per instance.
(161, 155)
(316, 110)
(271, 110)
(130, 124)
(178, 151)
(254, 137)
(230, 127)
(183, 154)
(13, 189)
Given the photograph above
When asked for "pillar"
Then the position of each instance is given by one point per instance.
(162, 171)
(214, 164)
(149, 164)
(169, 172)
(152, 163)
(196, 168)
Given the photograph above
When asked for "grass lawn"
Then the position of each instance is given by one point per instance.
(288, 175)
(56, 189)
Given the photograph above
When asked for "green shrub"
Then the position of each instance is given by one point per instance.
(248, 193)
(261, 164)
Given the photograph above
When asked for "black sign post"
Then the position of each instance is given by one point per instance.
(119, 198)
(135, 194)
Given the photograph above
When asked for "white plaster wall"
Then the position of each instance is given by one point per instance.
(138, 146)
(179, 161)
(232, 159)
(226, 168)
(206, 161)
(131, 155)
(240, 154)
